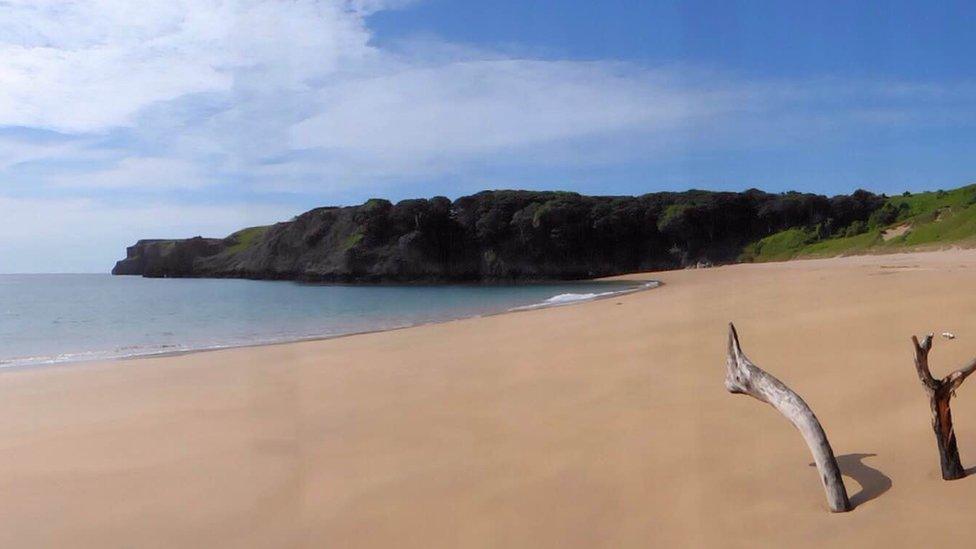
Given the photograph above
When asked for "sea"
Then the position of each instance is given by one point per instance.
(56, 318)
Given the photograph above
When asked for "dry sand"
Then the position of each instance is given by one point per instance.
(602, 424)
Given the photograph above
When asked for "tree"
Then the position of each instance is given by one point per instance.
(887, 214)
(856, 228)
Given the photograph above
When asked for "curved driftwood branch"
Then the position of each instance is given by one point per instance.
(940, 391)
(742, 376)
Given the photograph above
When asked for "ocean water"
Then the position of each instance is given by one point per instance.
(47, 319)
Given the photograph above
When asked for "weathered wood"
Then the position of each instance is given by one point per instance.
(742, 376)
(940, 391)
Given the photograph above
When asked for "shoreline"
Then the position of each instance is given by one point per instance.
(11, 366)
(644, 285)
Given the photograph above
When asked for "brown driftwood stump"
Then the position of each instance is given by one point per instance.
(940, 391)
(742, 376)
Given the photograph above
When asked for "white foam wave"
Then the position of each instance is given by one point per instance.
(90, 356)
(570, 298)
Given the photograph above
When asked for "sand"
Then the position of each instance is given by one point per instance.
(604, 424)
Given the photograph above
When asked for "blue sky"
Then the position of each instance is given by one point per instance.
(123, 120)
(763, 38)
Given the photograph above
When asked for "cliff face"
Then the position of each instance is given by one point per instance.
(162, 258)
(497, 235)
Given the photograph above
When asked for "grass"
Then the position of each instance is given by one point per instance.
(841, 246)
(938, 218)
(245, 238)
(352, 240)
(953, 226)
(778, 247)
(921, 203)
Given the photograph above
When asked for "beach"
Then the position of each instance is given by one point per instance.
(601, 424)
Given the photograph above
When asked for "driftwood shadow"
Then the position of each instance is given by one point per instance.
(873, 482)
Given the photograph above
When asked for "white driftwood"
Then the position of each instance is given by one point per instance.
(940, 391)
(742, 376)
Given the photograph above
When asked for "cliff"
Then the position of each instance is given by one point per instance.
(162, 258)
(501, 235)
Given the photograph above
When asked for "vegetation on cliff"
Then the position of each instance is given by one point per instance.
(528, 235)
(905, 222)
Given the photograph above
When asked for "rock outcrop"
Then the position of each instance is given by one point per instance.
(166, 258)
(497, 235)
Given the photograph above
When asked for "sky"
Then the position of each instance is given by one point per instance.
(122, 120)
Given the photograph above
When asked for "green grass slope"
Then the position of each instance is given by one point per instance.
(925, 220)
(245, 238)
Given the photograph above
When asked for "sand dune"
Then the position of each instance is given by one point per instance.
(601, 424)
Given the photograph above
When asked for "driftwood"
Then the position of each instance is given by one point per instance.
(742, 376)
(940, 391)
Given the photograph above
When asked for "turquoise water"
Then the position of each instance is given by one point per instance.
(47, 319)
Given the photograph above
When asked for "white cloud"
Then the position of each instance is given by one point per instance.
(139, 173)
(470, 107)
(89, 65)
(292, 95)
(16, 150)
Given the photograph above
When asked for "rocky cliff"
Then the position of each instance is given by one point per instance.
(499, 235)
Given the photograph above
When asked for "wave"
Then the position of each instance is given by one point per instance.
(570, 298)
(149, 351)
(132, 351)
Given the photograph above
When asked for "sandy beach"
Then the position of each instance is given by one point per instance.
(603, 424)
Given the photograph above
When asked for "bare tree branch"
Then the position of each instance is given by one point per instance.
(940, 392)
(956, 378)
(922, 361)
(742, 376)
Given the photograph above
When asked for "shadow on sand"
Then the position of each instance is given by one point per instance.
(873, 482)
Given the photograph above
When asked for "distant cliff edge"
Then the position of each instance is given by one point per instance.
(507, 235)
